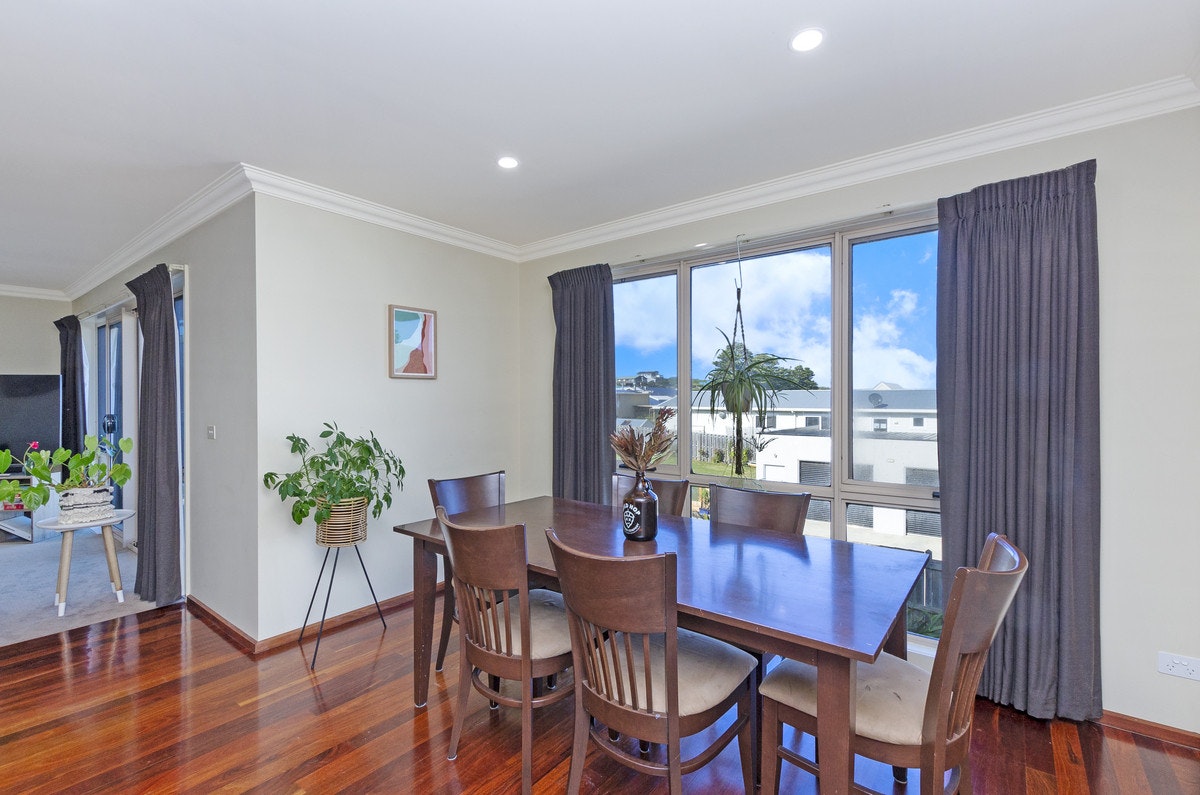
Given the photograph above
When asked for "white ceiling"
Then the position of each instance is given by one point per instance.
(115, 113)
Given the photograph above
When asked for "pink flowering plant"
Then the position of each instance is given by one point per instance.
(92, 467)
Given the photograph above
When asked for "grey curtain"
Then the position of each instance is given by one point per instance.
(158, 568)
(70, 362)
(1019, 425)
(585, 380)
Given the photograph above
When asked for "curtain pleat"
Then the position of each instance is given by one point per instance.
(158, 566)
(585, 410)
(1019, 424)
(74, 409)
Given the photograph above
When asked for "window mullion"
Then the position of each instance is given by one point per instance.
(683, 287)
(839, 407)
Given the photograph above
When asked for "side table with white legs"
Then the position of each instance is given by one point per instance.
(68, 541)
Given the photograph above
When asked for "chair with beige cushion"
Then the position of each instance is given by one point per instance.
(672, 494)
(904, 716)
(506, 631)
(770, 510)
(641, 676)
(457, 495)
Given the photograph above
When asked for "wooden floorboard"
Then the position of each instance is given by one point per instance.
(163, 702)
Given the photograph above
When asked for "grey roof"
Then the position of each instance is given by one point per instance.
(888, 400)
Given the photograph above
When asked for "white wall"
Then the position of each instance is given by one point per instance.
(1148, 193)
(28, 338)
(323, 284)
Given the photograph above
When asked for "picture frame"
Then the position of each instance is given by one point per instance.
(412, 342)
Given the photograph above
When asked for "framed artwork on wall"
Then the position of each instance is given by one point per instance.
(412, 347)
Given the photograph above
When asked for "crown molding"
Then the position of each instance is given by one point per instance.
(1152, 99)
(212, 199)
(294, 190)
(244, 179)
(1142, 102)
(15, 291)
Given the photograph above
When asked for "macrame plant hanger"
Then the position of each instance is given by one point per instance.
(738, 321)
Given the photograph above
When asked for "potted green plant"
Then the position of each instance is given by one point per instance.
(86, 482)
(338, 483)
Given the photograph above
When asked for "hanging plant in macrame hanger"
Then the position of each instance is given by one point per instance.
(741, 381)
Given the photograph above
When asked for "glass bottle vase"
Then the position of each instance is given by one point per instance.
(639, 510)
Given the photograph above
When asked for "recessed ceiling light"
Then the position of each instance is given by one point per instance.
(808, 39)
(507, 162)
(700, 245)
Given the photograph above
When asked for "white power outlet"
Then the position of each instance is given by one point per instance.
(1178, 665)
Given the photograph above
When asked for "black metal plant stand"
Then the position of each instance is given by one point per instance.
(333, 572)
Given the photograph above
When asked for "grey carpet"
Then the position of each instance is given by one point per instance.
(28, 573)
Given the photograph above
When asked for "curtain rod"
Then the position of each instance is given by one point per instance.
(114, 303)
(106, 307)
(756, 245)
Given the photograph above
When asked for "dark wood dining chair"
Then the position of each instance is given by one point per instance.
(506, 631)
(772, 510)
(641, 676)
(904, 716)
(457, 495)
(673, 495)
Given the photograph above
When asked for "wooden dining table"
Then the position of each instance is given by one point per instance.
(830, 603)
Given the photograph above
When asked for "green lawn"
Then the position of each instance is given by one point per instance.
(722, 470)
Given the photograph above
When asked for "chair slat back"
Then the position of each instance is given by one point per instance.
(772, 510)
(489, 617)
(979, 600)
(490, 565)
(619, 609)
(673, 495)
(468, 493)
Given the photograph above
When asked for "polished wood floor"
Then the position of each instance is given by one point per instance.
(160, 702)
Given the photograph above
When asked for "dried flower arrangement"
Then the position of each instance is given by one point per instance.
(640, 451)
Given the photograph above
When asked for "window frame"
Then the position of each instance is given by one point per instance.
(843, 490)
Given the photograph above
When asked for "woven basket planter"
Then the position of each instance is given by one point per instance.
(347, 524)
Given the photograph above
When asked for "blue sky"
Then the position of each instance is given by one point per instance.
(786, 302)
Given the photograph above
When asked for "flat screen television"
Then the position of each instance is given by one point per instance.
(30, 410)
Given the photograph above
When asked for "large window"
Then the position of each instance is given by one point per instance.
(844, 325)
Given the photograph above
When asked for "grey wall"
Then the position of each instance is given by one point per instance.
(222, 478)
(28, 338)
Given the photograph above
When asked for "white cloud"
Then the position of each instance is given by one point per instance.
(879, 350)
(644, 314)
(904, 302)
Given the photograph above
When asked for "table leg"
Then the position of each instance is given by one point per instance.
(110, 553)
(835, 721)
(896, 643)
(424, 594)
(64, 570)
